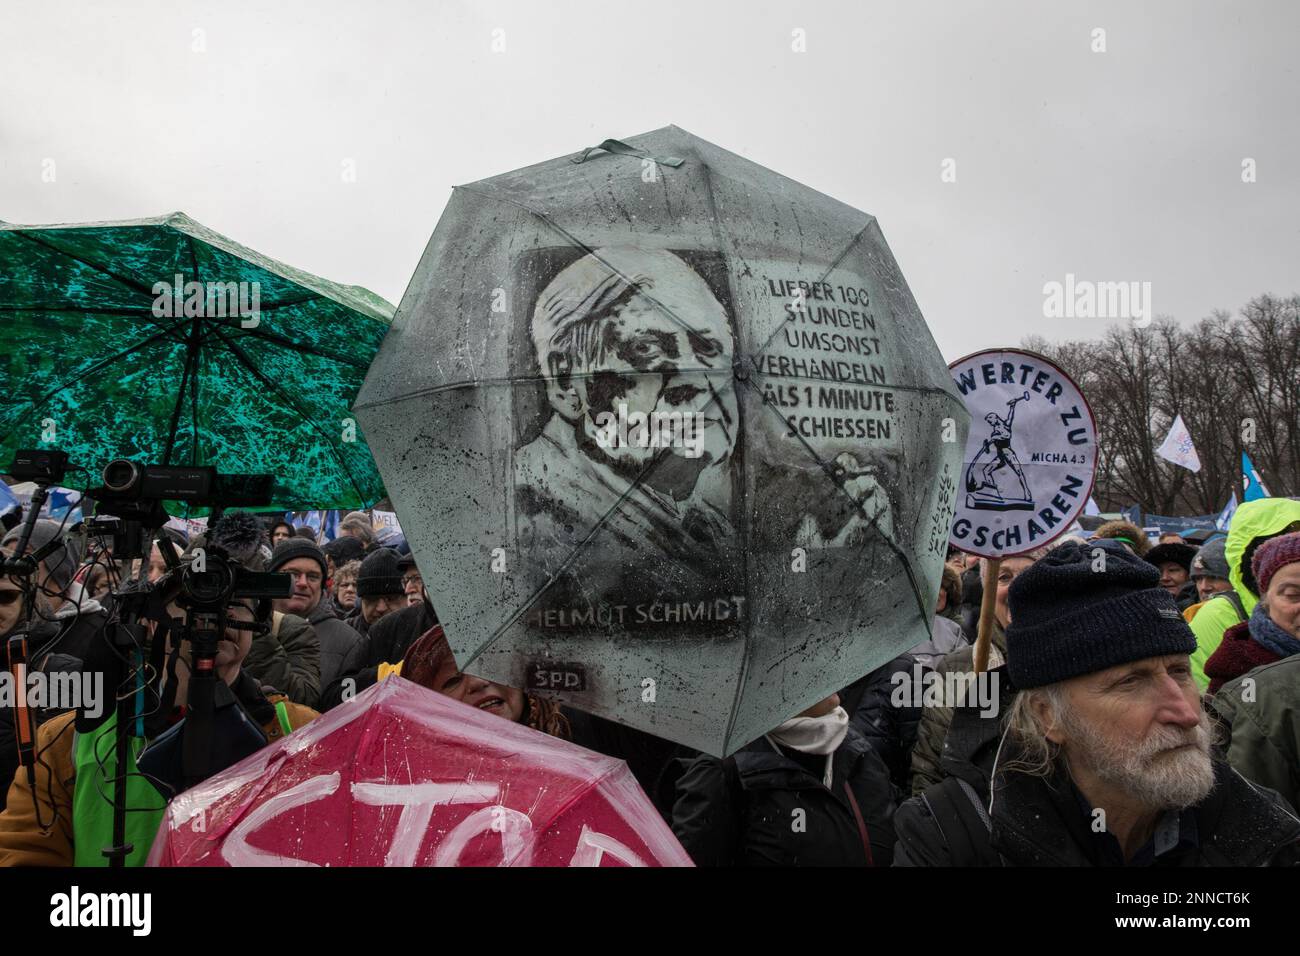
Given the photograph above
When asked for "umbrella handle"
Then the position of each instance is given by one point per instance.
(623, 149)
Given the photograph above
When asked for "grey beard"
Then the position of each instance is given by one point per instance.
(1159, 780)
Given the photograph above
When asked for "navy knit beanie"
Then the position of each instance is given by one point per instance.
(1074, 613)
(380, 574)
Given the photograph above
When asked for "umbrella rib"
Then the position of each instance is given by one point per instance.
(98, 365)
(130, 283)
(743, 516)
(829, 472)
(190, 353)
(262, 377)
(276, 339)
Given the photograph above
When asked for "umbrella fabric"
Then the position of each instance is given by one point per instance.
(161, 341)
(404, 776)
(670, 439)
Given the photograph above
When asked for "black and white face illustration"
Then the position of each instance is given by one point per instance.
(637, 352)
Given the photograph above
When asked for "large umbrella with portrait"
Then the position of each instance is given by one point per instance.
(164, 342)
(669, 438)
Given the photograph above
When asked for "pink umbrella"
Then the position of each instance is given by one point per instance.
(403, 776)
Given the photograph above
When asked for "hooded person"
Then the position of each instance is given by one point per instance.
(1253, 523)
(810, 792)
(1127, 533)
(1107, 758)
(1273, 631)
(1173, 560)
(304, 619)
(64, 625)
(60, 597)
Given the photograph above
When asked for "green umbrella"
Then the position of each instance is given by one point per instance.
(161, 341)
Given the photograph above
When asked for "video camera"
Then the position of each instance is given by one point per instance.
(130, 509)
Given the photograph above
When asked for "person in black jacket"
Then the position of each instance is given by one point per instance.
(384, 643)
(811, 792)
(887, 720)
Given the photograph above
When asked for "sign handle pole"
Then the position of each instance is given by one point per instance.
(989, 598)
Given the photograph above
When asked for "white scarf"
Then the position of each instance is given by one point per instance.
(813, 735)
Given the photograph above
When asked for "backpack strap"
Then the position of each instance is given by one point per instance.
(862, 824)
(963, 821)
(1235, 599)
(276, 618)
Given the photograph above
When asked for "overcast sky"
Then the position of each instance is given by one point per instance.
(1116, 165)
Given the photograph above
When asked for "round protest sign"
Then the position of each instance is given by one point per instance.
(1030, 456)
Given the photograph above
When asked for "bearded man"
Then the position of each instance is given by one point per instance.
(1107, 758)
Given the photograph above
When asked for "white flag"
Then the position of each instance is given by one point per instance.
(1178, 447)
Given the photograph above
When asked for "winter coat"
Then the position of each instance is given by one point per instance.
(287, 659)
(336, 639)
(384, 643)
(1187, 596)
(1238, 654)
(891, 731)
(760, 807)
(1044, 821)
(927, 754)
(1262, 722)
(23, 842)
(1262, 518)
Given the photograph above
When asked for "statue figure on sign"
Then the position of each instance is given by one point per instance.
(983, 491)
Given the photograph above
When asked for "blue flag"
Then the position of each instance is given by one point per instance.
(8, 500)
(1252, 488)
(1225, 516)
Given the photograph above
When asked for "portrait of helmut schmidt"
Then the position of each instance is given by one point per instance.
(635, 352)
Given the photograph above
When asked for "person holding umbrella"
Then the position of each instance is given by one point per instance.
(811, 792)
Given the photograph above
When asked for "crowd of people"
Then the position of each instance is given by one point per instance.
(1139, 705)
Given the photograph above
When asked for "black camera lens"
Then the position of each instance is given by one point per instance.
(210, 587)
(120, 475)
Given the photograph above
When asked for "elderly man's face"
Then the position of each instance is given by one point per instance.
(1139, 727)
(654, 363)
